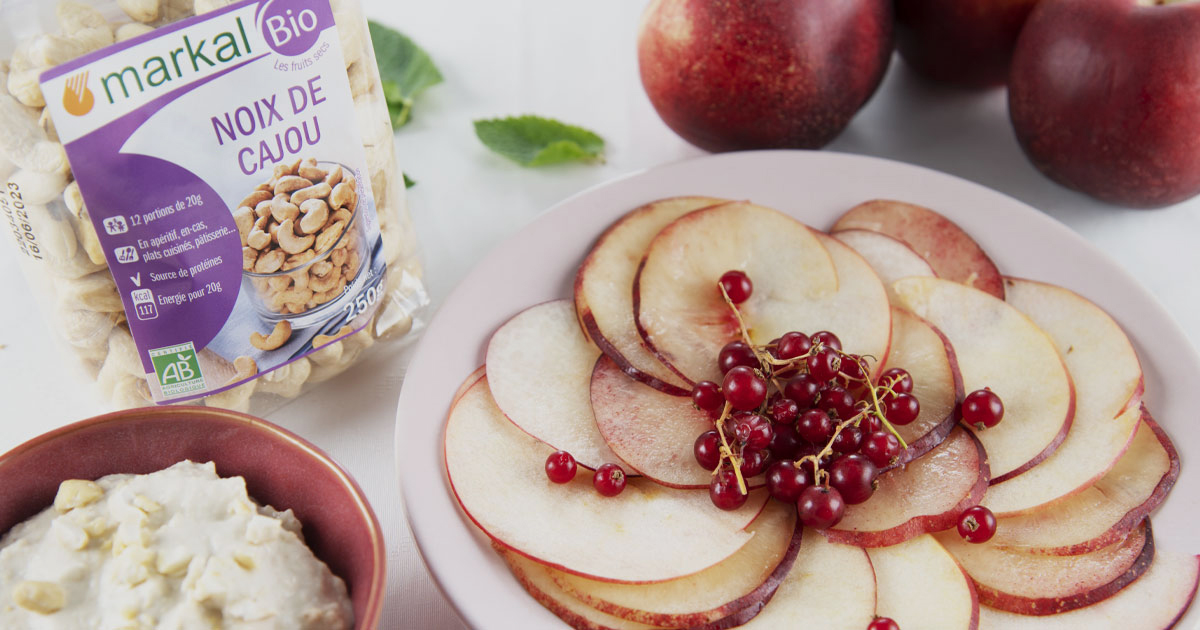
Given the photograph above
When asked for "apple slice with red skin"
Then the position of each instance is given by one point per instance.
(604, 290)
(539, 367)
(678, 306)
(830, 586)
(998, 347)
(949, 250)
(1106, 512)
(926, 495)
(921, 350)
(471, 380)
(746, 578)
(1107, 377)
(859, 313)
(891, 258)
(920, 585)
(498, 475)
(1032, 584)
(653, 431)
(1156, 600)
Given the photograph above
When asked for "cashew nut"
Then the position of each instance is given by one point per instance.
(249, 257)
(243, 368)
(144, 11)
(298, 260)
(290, 183)
(309, 170)
(37, 188)
(283, 210)
(243, 218)
(24, 86)
(290, 242)
(44, 598)
(235, 398)
(279, 336)
(54, 234)
(254, 198)
(334, 177)
(316, 213)
(269, 262)
(258, 239)
(288, 380)
(330, 235)
(313, 191)
(86, 331)
(74, 17)
(342, 196)
(324, 340)
(126, 32)
(262, 209)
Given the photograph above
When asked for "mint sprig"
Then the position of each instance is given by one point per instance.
(405, 70)
(538, 141)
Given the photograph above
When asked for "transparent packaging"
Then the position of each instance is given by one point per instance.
(60, 252)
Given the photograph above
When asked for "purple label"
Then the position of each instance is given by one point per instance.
(292, 27)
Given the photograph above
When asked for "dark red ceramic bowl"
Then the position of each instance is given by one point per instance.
(280, 469)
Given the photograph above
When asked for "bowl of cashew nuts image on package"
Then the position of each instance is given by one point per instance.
(304, 248)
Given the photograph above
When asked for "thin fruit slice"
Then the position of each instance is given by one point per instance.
(471, 380)
(920, 585)
(1156, 600)
(1106, 512)
(1107, 378)
(604, 290)
(921, 350)
(497, 473)
(859, 313)
(539, 366)
(998, 347)
(654, 432)
(831, 587)
(678, 307)
(538, 582)
(924, 496)
(890, 258)
(747, 577)
(950, 251)
(1031, 584)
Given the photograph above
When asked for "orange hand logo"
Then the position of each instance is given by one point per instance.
(77, 97)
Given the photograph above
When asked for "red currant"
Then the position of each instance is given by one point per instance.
(736, 353)
(785, 481)
(737, 286)
(792, 345)
(609, 480)
(903, 383)
(848, 440)
(902, 409)
(707, 396)
(828, 339)
(837, 401)
(753, 430)
(882, 448)
(977, 524)
(883, 623)
(824, 365)
(754, 461)
(786, 442)
(744, 389)
(870, 423)
(784, 410)
(560, 467)
(815, 426)
(803, 389)
(854, 476)
(982, 409)
(724, 491)
(852, 367)
(707, 450)
(820, 507)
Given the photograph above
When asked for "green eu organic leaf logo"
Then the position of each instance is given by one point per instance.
(178, 369)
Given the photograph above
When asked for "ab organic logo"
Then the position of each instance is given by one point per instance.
(78, 99)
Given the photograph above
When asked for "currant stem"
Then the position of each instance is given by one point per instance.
(875, 403)
(726, 451)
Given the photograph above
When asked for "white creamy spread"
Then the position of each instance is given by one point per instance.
(179, 549)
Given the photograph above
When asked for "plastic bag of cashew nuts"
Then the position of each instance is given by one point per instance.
(204, 193)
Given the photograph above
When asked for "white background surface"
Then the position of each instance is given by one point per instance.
(576, 62)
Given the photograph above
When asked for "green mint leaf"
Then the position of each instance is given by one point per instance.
(404, 69)
(537, 141)
(409, 183)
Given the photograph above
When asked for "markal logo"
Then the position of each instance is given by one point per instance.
(78, 99)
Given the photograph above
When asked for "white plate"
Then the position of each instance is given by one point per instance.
(539, 263)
